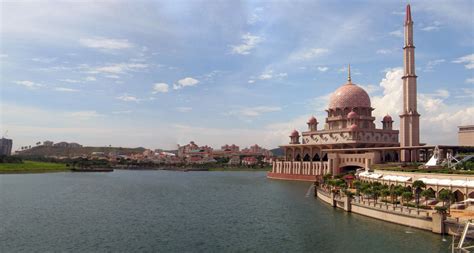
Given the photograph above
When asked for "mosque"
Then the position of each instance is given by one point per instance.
(349, 139)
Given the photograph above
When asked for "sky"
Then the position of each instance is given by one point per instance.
(156, 74)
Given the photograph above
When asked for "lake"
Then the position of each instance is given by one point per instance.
(166, 211)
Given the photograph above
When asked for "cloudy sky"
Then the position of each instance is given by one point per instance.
(158, 73)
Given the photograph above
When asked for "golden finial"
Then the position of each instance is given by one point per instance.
(349, 74)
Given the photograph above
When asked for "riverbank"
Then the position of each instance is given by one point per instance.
(50, 167)
(435, 222)
(32, 167)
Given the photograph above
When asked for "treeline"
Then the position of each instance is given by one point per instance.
(10, 159)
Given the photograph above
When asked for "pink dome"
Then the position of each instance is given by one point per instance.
(353, 127)
(349, 96)
(352, 115)
(312, 120)
(387, 118)
(295, 134)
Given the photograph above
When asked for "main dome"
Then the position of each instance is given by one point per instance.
(349, 96)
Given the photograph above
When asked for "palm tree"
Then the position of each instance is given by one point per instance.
(398, 191)
(407, 196)
(384, 193)
(357, 184)
(427, 194)
(446, 196)
(376, 192)
(417, 186)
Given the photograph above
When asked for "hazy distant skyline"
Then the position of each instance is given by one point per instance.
(159, 73)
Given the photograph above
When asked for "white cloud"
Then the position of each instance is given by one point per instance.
(431, 64)
(44, 60)
(184, 109)
(118, 68)
(249, 42)
(3, 55)
(433, 27)
(185, 82)
(160, 88)
(29, 84)
(112, 77)
(309, 53)
(468, 60)
(128, 98)
(256, 111)
(84, 115)
(90, 79)
(323, 69)
(122, 112)
(69, 80)
(397, 33)
(105, 43)
(470, 80)
(384, 51)
(255, 16)
(438, 120)
(268, 74)
(65, 89)
(251, 81)
(430, 28)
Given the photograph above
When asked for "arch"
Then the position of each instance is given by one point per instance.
(471, 195)
(325, 157)
(458, 195)
(306, 157)
(348, 168)
(316, 158)
(298, 157)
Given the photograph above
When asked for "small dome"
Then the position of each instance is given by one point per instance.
(312, 120)
(353, 127)
(295, 134)
(387, 118)
(349, 96)
(352, 115)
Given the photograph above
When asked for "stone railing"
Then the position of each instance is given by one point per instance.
(301, 168)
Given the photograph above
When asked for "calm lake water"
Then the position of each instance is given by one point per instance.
(164, 211)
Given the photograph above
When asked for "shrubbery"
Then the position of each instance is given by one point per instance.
(10, 159)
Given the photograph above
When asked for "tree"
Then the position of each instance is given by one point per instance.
(357, 184)
(407, 196)
(427, 194)
(384, 193)
(446, 196)
(418, 185)
(397, 192)
(376, 188)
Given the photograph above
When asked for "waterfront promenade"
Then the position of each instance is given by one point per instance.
(426, 219)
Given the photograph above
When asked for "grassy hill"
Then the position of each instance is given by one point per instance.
(58, 151)
(32, 167)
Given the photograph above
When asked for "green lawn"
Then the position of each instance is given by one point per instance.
(32, 167)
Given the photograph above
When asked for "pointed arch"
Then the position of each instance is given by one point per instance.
(316, 158)
(306, 157)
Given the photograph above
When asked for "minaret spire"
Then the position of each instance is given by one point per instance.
(409, 118)
(408, 15)
(349, 74)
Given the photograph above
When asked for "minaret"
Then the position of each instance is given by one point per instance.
(409, 119)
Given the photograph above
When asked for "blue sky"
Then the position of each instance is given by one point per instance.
(159, 73)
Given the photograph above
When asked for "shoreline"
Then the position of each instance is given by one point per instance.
(183, 169)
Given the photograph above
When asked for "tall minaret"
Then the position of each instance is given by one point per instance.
(409, 119)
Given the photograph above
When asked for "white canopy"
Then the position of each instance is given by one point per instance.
(448, 182)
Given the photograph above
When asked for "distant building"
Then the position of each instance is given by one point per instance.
(466, 135)
(48, 143)
(64, 144)
(249, 161)
(230, 148)
(74, 145)
(6, 146)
